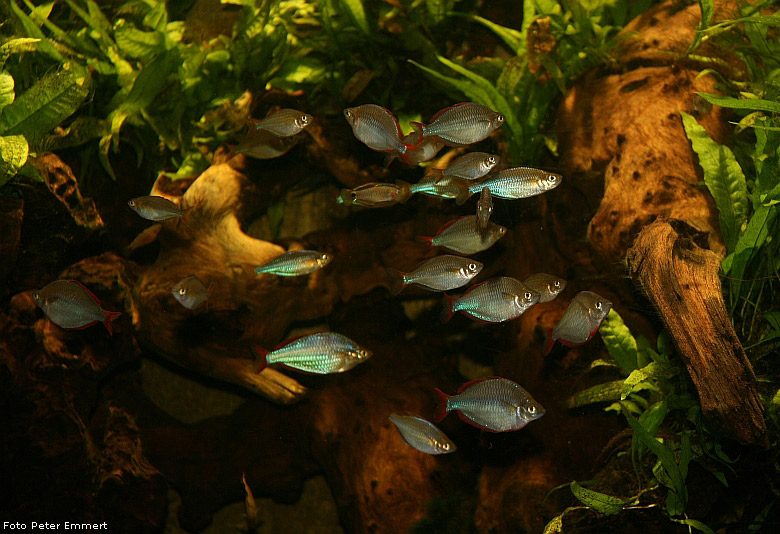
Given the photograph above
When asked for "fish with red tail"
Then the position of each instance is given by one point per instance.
(547, 285)
(284, 122)
(493, 301)
(154, 208)
(428, 148)
(422, 435)
(70, 305)
(470, 166)
(494, 404)
(462, 235)
(320, 353)
(515, 183)
(484, 208)
(441, 273)
(580, 321)
(374, 195)
(461, 124)
(377, 128)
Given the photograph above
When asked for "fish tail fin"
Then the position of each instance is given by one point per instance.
(426, 239)
(397, 283)
(411, 147)
(448, 308)
(441, 411)
(548, 341)
(463, 192)
(419, 129)
(110, 316)
(262, 355)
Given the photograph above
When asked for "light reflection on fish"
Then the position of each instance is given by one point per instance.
(154, 208)
(494, 404)
(441, 188)
(463, 236)
(547, 285)
(295, 263)
(377, 128)
(441, 273)
(422, 435)
(70, 305)
(461, 124)
(484, 208)
(470, 166)
(374, 195)
(190, 292)
(515, 183)
(580, 321)
(493, 301)
(285, 122)
(320, 353)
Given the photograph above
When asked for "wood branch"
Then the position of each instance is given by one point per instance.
(680, 278)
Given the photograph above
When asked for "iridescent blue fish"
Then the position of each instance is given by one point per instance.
(70, 305)
(580, 321)
(295, 263)
(515, 183)
(441, 273)
(463, 235)
(493, 301)
(320, 353)
(494, 404)
(422, 435)
(443, 188)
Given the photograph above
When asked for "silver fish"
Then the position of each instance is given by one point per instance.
(484, 208)
(428, 148)
(493, 404)
(462, 235)
(580, 321)
(374, 195)
(461, 124)
(190, 292)
(547, 285)
(441, 273)
(70, 305)
(422, 435)
(515, 183)
(377, 128)
(154, 208)
(320, 353)
(285, 122)
(261, 144)
(493, 301)
(441, 188)
(471, 166)
(295, 263)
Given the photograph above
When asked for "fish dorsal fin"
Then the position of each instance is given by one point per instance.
(445, 110)
(295, 338)
(90, 293)
(450, 223)
(472, 383)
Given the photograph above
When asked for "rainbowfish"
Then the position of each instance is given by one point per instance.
(515, 183)
(190, 292)
(70, 305)
(320, 353)
(261, 144)
(428, 148)
(154, 208)
(484, 208)
(547, 285)
(580, 321)
(377, 128)
(285, 122)
(461, 124)
(494, 404)
(441, 188)
(374, 195)
(422, 435)
(471, 166)
(492, 301)
(295, 263)
(441, 273)
(462, 235)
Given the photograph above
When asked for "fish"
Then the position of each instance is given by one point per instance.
(319, 353)
(484, 208)
(154, 208)
(580, 321)
(295, 263)
(422, 435)
(461, 124)
(441, 273)
(471, 166)
(374, 195)
(492, 301)
(494, 404)
(70, 305)
(547, 285)
(461, 235)
(284, 122)
(377, 128)
(262, 144)
(428, 148)
(515, 183)
(190, 292)
(442, 188)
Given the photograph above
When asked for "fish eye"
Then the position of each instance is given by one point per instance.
(599, 305)
(353, 195)
(499, 118)
(348, 113)
(501, 230)
(182, 291)
(303, 119)
(527, 295)
(491, 160)
(131, 203)
(532, 410)
(552, 178)
(557, 284)
(472, 266)
(445, 446)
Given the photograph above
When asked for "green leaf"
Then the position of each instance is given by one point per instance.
(741, 103)
(758, 229)
(698, 525)
(149, 82)
(707, 9)
(637, 376)
(13, 155)
(723, 177)
(32, 30)
(15, 46)
(358, 14)
(513, 38)
(45, 105)
(138, 44)
(620, 344)
(7, 94)
(598, 393)
(600, 502)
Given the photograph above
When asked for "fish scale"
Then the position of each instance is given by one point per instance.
(493, 301)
